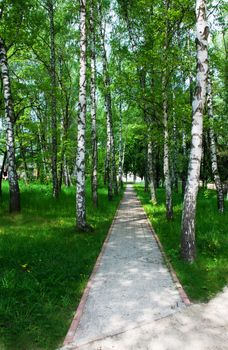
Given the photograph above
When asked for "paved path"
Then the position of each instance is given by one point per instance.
(132, 286)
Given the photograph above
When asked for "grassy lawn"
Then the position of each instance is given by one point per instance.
(45, 264)
(209, 274)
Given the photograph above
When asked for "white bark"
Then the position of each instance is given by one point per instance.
(168, 188)
(184, 152)
(151, 173)
(166, 170)
(189, 210)
(93, 108)
(66, 173)
(80, 161)
(2, 170)
(14, 203)
(121, 149)
(213, 150)
(175, 155)
(110, 145)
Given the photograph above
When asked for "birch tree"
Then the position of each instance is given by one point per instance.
(151, 172)
(93, 108)
(14, 203)
(168, 188)
(121, 148)
(80, 160)
(188, 248)
(2, 169)
(213, 150)
(166, 165)
(110, 146)
(50, 8)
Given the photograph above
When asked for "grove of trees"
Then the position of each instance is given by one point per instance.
(95, 89)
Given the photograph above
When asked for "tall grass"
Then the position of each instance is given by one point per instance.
(209, 273)
(45, 264)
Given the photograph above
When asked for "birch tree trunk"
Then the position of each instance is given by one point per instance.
(121, 150)
(184, 152)
(168, 188)
(213, 150)
(146, 182)
(41, 149)
(2, 170)
(166, 168)
(67, 177)
(93, 109)
(188, 249)
(151, 173)
(14, 203)
(110, 146)
(108, 165)
(65, 128)
(114, 173)
(53, 100)
(80, 161)
(175, 156)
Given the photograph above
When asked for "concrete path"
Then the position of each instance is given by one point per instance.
(131, 287)
(198, 327)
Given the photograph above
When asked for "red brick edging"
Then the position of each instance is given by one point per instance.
(78, 314)
(179, 287)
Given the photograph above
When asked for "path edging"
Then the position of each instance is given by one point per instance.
(175, 279)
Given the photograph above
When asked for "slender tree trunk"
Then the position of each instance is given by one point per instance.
(43, 160)
(105, 168)
(26, 172)
(67, 177)
(65, 121)
(53, 100)
(114, 174)
(121, 150)
(14, 203)
(146, 185)
(188, 216)
(184, 152)
(2, 171)
(168, 188)
(213, 150)
(166, 166)
(93, 109)
(108, 168)
(203, 165)
(175, 155)
(23, 156)
(81, 149)
(110, 146)
(63, 141)
(151, 173)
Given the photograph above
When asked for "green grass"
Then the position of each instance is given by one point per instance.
(209, 273)
(45, 264)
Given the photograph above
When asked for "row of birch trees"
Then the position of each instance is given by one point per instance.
(95, 89)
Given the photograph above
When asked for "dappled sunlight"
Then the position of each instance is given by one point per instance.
(132, 286)
(200, 326)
